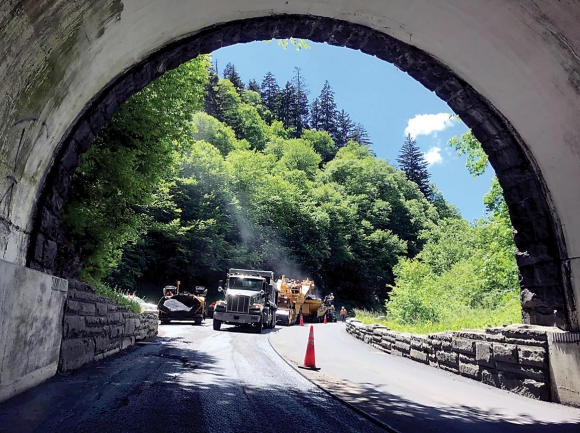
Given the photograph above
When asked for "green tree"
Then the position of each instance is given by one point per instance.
(344, 129)
(327, 111)
(299, 108)
(129, 158)
(412, 162)
(211, 130)
(254, 86)
(270, 93)
(231, 74)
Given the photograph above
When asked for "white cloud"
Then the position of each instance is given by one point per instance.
(433, 156)
(425, 124)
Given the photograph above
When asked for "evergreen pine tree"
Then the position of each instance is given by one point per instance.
(210, 102)
(327, 114)
(412, 162)
(299, 107)
(231, 74)
(360, 135)
(270, 93)
(253, 86)
(315, 115)
(285, 102)
(344, 129)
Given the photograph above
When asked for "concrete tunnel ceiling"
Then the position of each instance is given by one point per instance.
(509, 68)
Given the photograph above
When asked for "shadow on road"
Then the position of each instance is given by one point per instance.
(399, 412)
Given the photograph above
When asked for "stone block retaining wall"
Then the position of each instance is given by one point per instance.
(95, 327)
(514, 358)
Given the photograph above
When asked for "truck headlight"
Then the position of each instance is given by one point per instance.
(255, 308)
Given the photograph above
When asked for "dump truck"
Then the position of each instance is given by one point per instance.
(182, 306)
(293, 294)
(250, 300)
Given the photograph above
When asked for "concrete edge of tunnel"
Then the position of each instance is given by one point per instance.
(358, 410)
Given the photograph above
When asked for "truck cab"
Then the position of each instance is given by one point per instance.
(250, 299)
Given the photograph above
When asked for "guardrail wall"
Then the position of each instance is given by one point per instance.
(535, 361)
(95, 327)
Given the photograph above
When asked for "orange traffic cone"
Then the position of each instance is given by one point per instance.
(309, 361)
(301, 320)
(325, 318)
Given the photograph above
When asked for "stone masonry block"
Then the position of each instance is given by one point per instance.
(402, 347)
(418, 342)
(463, 345)
(522, 370)
(74, 326)
(450, 368)
(101, 344)
(467, 359)
(505, 353)
(469, 370)
(113, 318)
(447, 357)
(533, 356)
(436, 344)
(471, 334)
(418, 356)
(130, 326)
(102, 308)
(76, 353)
(77, 295)
(95, 321)
(80, 308)
(484, 353)
(127, 342)
(116, 331)
(526, 387)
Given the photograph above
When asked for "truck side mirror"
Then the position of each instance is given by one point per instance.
(262, 292)
(220, 289)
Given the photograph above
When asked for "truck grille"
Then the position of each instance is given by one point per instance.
(238, 304)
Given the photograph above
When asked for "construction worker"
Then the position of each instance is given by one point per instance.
(343, 314)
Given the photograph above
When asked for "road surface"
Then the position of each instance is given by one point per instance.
(191, 379)
(195, 379)
(413, 397)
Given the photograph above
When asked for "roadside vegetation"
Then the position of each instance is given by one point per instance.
(201, 171)
(120, 298)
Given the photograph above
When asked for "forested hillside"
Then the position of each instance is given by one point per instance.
(197, 173)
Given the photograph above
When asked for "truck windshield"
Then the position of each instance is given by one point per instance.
(245, 284)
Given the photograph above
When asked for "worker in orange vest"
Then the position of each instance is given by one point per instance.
(343, 314)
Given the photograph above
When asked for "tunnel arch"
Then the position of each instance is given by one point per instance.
(547, 244)
(516, 169)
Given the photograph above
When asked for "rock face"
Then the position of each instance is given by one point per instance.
(95, 327)
(514, 358)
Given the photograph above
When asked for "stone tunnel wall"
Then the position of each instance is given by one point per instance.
(514, 358)
(95, 327)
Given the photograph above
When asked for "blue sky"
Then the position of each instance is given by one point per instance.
(376, 94)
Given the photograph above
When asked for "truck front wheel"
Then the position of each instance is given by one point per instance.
(259, 326)
(217, 324)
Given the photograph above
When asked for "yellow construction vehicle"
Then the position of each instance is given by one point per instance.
(181, 305)
(291, 297)
(297, 297)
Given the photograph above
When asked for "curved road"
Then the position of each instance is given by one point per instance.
(190, 379)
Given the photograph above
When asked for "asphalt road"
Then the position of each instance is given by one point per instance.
(413, 397)
(190, 379)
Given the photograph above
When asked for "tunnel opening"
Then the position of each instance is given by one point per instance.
(546, 293)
